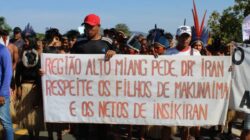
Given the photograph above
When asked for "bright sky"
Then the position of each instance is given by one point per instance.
(139, 15)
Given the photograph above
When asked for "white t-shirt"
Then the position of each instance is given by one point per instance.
(2, 42)
(174, 51)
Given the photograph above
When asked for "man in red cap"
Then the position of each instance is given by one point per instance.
(93, 43)
(92, 26)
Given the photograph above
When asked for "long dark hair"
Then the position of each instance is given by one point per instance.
(32, 41)
(51, 33)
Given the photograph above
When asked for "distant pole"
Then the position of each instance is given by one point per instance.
(184, 22)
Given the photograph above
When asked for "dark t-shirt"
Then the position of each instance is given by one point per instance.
(91, 47)
(26, 74)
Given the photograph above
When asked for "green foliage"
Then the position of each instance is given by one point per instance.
(228, 25)
(124, 28)
(4, 25)
(40, 35)
(231, 29)
(214, 24)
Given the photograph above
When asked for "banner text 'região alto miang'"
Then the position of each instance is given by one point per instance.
(141, 90)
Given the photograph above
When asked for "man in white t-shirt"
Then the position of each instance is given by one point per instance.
(184, 37)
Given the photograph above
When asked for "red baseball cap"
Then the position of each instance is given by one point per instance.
(92, 20)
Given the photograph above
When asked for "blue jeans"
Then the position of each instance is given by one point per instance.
(6, 119)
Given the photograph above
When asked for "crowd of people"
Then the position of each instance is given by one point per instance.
(25, 49)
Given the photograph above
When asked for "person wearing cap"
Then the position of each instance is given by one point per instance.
(183, 37)
(93, 43)
(17, 40)
(6, 74)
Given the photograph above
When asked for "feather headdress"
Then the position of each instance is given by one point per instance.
(199, 32)
(155, 34)
(28, 31)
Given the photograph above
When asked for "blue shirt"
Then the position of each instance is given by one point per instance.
(5, 71)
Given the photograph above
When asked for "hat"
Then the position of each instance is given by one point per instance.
(163, 42)
(17, 30)
(92, 20)
(184, 29)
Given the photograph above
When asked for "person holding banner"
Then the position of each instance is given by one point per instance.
(72, 37)
(53, 39)
(161, 45)
(93, 43)
(170, 39)
(184, 37)
(133, 45)
(144, 47)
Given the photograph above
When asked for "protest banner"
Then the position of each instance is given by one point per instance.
(240, 99)
(141, 90)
